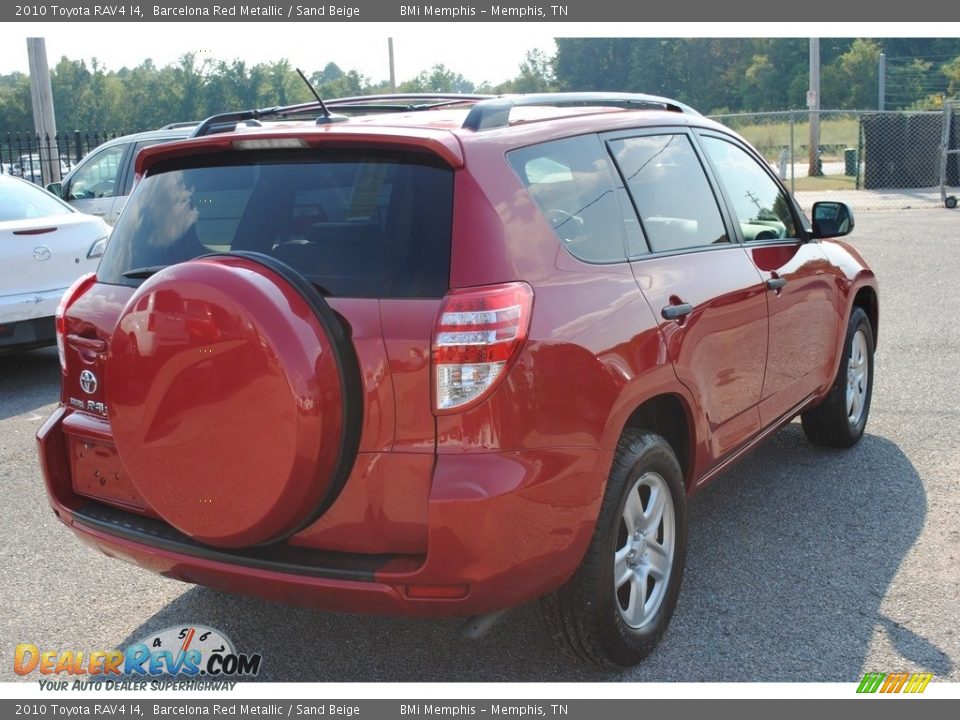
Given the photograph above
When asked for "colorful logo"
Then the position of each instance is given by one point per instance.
(894, 682)
(193, 650)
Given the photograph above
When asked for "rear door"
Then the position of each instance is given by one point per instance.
(369, 227)
(709, 297)
(801, 292)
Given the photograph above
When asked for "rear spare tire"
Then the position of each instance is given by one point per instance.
(234, 397)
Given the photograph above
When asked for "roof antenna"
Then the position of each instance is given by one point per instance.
(327, 116)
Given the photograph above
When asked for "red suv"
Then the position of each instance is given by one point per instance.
(449, 355)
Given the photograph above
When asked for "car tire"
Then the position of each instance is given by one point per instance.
(840, 419)
(596, 616)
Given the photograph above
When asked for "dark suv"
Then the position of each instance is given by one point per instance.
(449, 355)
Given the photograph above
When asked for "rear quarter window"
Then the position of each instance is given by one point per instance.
(572, 182)
(356, 224)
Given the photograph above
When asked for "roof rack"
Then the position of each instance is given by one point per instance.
(495, 112)
(406, 102)
(488, 111)
(225, 122)
(361, 104)
(178, 125)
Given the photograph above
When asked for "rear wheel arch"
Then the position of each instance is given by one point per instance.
(666, 414)
(669, 416)
(618, 603)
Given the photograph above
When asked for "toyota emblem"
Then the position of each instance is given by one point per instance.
(88, 381)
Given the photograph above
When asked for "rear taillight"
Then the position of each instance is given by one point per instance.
(478, 334)
(96, 250)
(79, 287)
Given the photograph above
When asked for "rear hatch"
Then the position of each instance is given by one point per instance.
(261, 318)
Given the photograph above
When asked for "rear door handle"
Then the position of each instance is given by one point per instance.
(98, 213)
(672, 312)
(776, 283)
(94, 344)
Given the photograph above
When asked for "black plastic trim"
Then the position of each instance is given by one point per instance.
(495, 112)
(228, 121)
(278, 558)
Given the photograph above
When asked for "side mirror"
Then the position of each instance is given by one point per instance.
(832, 219)
(55, 188)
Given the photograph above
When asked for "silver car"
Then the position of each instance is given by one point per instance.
(100, 183)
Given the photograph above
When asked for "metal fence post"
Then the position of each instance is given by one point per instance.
(793, 181)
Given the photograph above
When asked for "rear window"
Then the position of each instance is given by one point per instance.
(23, 201)
(356, 224)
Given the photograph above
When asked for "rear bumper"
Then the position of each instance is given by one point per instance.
(503, 528)
(30, 305)
(27, 333)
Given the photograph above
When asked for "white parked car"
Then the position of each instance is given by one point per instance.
(30, 167)
(45, 245)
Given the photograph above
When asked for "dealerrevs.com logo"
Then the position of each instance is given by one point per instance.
(202, 655)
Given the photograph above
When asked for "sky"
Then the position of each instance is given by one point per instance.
(493, 55)
(479, 51)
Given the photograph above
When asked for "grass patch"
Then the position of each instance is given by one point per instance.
(826, 182)
(770, 137)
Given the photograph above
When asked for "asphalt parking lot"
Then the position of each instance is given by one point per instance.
(804, 564)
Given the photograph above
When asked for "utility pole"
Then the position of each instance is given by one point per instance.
(393, 75)
(882, 72)
(44, 123)
(813, 102)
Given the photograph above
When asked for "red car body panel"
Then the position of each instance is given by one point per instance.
(719, 349)
(468, 512)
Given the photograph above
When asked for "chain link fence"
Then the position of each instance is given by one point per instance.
(43, 160)
(865, 158)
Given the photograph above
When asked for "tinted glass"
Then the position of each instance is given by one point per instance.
(573, 184)
(371, 224)
(128, 177)
(761, 206)
(22, 201)
(668, 185)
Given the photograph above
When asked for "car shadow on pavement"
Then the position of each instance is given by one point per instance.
(790, 557)
(28, 380)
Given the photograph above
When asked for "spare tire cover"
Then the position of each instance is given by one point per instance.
(228, 385)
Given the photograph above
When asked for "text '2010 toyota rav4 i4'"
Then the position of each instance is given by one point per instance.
(449, 355)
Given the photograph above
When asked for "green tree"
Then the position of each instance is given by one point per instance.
(15, 113)
(851, 81)
(438, 79)
(536, 75)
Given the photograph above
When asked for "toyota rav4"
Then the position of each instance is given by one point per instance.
(449, 354)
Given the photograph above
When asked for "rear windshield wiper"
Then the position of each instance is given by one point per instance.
(144, 272)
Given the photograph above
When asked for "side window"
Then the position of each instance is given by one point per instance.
(572, 183)
(98, 177)
(761, 206)
(668, 185)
